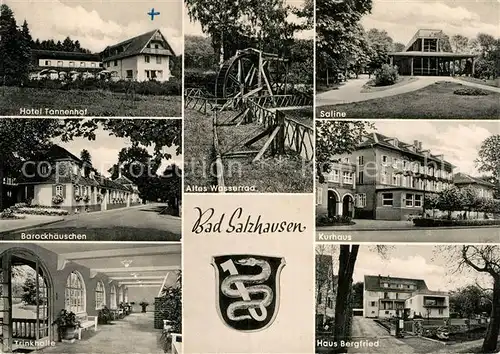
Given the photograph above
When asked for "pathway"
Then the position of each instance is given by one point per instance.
(133, 334)
(351, 90)
(7, 225)
(365, 330)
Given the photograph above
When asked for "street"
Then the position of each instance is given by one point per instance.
(445, 235)
(137, 223)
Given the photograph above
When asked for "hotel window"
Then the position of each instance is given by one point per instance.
(384, 177)
(372, 303)
(115, 63)
(59, 190)
(385, 160)
(361, 176)
(361, 200)
(418, 201)
(75, 293)
(441, 311)
(333, 176)
(157, 46)
(395, 179)
(77, 190)
(345, 160)
(146, 58)
(409, 200)
(386, 285)
(129, 74)
(319, 196)
(47, 62)
(395, 163)
(71, 64)
(82, 64)
(158, 59)
(348, 177)
(108, 64)
(59, 63)
(416, 165)
(112, 298)
(387, 199)
(361, 160)
(100, 299)
(405, 165)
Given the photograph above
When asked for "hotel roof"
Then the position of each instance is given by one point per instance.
(462, 178)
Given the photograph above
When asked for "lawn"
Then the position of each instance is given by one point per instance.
(97, 102)
(198, 150)
(493, 83)
(434, 101)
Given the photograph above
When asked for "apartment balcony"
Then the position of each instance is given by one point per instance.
(154, 51)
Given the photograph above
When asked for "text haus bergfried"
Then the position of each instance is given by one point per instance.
(237, 222)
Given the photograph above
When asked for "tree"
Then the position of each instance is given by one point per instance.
(172, 304)
(15, 48)
(85, 156)
(459, 43)
(470, 300)
(380, 44)
(398, 47)
(481, 260)
(338, 33)
(489, 156)
(29, 290)
(357, 295)
(324, 274)
(335, 138)
(451, 199)
(431, 201)
(68, 45)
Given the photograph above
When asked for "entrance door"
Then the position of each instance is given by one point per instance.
(348, 206)
(332, 204)
(25, 301)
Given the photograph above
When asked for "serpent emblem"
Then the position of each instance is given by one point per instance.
(236, 286)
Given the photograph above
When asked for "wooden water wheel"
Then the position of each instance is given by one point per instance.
(251, 71)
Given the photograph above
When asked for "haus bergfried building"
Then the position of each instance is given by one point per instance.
(60, 179)
(386, 297)
(141, 58)
(383, 178)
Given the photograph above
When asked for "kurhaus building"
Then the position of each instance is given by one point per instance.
(383, 178)
(60, 179)
(141, 58)
(386, 296)
(82, 281)
(429, 53)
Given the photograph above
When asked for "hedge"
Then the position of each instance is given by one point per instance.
(152, 88)
(40, 211)
(324, 220)
(429, 222)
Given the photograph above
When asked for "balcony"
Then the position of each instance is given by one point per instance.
(155, 51)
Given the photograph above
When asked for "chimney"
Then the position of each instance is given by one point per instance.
(119, 172)
(420, 145)
(415, 143)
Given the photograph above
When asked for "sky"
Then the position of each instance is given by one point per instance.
(414, 261)
(402, 18)
(458, 141)
(99, 23)
(104, 150)
(194, 28)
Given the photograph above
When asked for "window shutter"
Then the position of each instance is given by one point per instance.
(64, 191)
(53, 190)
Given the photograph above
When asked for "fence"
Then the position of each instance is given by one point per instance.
(298, 137)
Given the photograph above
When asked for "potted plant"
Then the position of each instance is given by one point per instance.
(67, 324)
(86, 199)
(104, 315)
(143, 304)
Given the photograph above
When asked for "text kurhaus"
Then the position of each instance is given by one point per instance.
(238, 223)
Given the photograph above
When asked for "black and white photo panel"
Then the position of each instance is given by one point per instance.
(248, 98)
(407, 298)
(90, 179)
(414, 180)
(402, 59)
(88, 297)
(86, 58)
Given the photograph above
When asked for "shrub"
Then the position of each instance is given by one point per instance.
(41, 211)
(57, 199)
(386, 75)
(9, 214)
(427, 222)
(470, 91)
(324, 220)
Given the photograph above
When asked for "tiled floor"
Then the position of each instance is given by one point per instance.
(133, 334)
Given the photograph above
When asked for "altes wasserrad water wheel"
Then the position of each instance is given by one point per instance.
(251, 71)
